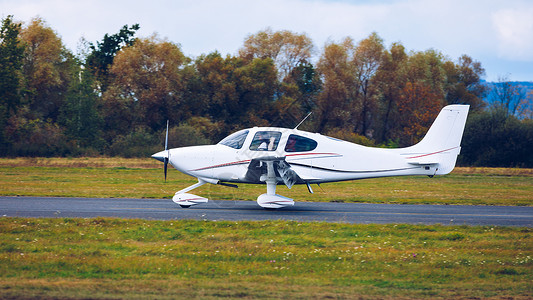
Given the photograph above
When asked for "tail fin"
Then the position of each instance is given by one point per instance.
(442, 142)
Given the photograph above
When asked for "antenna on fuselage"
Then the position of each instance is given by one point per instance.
(303, 120)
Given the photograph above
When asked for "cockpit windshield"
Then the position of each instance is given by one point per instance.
(235, 140)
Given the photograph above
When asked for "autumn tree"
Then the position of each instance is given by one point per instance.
(31, 136)
(427, 67)
(422, 97)
(215, 86)
(256, 87)
(146, 87)
(236, 91)
(350, 93)
(290, 53)
(418, 106)
(287, 49)
(367, 59)
(391, 80)
(48, 68)
(47, 71)
(334, 103)
(464, 84)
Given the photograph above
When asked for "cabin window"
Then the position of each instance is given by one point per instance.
(265, 141)
(296, 143)
(235, 140)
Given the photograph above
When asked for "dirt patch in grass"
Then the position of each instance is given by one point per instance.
(81, 162)
(494, 171)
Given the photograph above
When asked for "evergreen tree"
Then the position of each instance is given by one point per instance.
(100, 59)
(80, 114)
(11, 54)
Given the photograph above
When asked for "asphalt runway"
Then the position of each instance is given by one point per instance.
(165, 209)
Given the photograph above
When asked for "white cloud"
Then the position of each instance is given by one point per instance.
(514, 28)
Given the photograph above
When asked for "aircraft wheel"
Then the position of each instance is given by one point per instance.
(185, 206)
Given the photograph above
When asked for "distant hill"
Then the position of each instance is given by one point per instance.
(525, 86)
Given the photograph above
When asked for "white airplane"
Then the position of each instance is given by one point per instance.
(272, 156)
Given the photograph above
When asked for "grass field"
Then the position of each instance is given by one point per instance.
(143, 178)
(113, 258)
(137, 259)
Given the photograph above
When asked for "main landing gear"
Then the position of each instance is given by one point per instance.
(270, 200)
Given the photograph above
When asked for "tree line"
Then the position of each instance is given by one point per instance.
(114, 96)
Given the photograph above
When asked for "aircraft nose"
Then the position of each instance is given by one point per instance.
(160, 156)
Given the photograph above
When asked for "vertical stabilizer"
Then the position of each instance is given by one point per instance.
(442, 143)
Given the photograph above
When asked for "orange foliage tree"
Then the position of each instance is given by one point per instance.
(418, 107)
(286, 48)
(147, 85)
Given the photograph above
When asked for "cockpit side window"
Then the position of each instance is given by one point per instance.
(265, 141)
(296, 143)
(235, 140)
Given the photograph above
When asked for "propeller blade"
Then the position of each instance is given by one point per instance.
(167, 154)
(166, 138)
(166, 167)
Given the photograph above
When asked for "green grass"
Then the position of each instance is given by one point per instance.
(107, 258)
(143, 178)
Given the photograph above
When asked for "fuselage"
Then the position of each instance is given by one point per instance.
(314, 157)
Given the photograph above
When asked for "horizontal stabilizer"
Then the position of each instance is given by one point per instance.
(445, 159)
(423, 162)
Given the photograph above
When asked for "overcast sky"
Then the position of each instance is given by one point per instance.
(499, 34)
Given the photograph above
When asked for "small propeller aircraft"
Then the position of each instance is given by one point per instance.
(272, 156)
